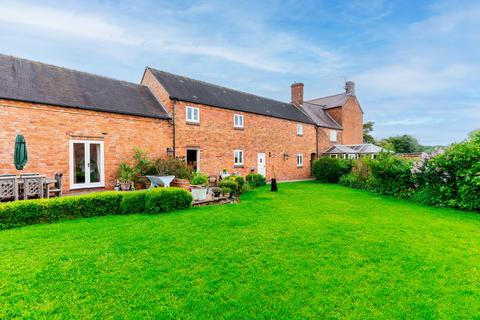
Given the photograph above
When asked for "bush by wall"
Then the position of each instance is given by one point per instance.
(255, 180)
(18, 213)
(450, 178)
(390, 175)
(167, 199)
(330, 169)
(230, 184)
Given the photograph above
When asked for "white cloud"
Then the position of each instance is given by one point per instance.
(412, 77)
(259, 48)
(65, 22)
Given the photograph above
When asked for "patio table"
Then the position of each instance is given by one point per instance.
(48, 182)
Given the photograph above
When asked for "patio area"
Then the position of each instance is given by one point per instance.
(29, 186)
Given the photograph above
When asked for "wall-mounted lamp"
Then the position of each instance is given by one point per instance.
(285, 156)
(170, 152)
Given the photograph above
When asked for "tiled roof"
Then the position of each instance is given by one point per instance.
(334, 101)
(37, 82)
(320, 116)
(195, 91)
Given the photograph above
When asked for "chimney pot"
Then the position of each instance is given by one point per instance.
(350, 88)
(297, 94)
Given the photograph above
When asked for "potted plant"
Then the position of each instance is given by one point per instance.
(216, 191)
(177, 168)
(226, 192)
(199, 186)
(143, 167)
(125, 176)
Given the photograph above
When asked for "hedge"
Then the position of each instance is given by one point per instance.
(19, 213)
(255, 180)
(328, 169)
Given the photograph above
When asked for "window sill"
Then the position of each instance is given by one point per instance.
(239, 128)
(299, 135)
(299, 167)
(193, 123)
(238, 166)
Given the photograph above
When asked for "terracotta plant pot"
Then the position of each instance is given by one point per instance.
(125, 186)
(181, 183)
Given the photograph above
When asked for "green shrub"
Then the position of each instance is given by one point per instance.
(199, 179)
(352, 180)
(173, 167)
(226, 191)
(246, 188)
(18, 213)
(133, 202)
(390, 175)
(255, 180)
(167, 199)
(330, 169)
(239, 180)
(229, 183)
(450, 178)
(143, 165)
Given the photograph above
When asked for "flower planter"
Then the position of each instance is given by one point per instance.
(125, 186)
(181, 183)
(199, 192)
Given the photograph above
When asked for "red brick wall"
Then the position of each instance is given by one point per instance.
(217, 138)
(352, 122)
(48, 130)
(324, 139)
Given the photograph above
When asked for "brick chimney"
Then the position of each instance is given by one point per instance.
(297, 94)
(350, 88)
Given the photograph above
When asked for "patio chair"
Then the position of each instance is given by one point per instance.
(8, 188)
(57, 189)
(33, 186)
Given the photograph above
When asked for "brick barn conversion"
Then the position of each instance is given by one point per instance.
(76, 123)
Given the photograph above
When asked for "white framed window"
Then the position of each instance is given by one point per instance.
(299, 129)
(333, 135)
(238, 157)
(193, 114)
(238, 121)
(299, 160)
(87, 167)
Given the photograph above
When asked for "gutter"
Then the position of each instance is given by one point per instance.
(174, 116)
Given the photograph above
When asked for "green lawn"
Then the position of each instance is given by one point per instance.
(309, 251)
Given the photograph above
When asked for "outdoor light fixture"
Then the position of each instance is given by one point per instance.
(285, 156)
(170, 152)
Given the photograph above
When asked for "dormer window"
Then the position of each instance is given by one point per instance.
(238, 121)
(193, 114)
(299, 129)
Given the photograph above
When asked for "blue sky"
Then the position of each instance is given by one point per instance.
(416, 64)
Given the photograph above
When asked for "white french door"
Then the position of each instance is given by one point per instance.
(87, 169)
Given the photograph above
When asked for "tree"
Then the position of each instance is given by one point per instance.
(402, 144)
(367, 128)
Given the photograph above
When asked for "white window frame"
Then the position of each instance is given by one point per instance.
(241, 156)
(193, 109)
(238, 121)
(333, 135)
(87, 183)
(299, 129)
(299, 163)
